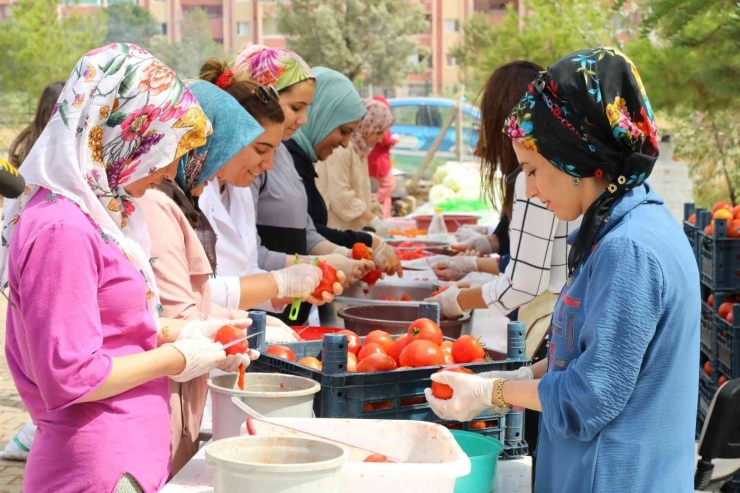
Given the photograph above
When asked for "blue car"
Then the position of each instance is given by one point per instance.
(418, 121)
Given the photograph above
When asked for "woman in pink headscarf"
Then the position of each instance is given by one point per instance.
(343, 179)
(379, 166)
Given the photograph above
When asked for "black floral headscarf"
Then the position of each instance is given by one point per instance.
(589, 115)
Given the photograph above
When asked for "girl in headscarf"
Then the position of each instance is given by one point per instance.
(22, 144)
(85, 352)
(279, 198)
(379, 165)
(343, 178)
(625, 330)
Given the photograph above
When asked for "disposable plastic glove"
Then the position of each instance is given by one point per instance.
(523, 373)
(471, 395)
(478, 243)
(380, 226)
(327, 297)
(233, 361)
(278, 332)
(353, 269)
(201, 356)
(386, 260)
(448, 303)
(297, 281)
(343, 251)
(207, 329)
(468, 231)
(455, 268)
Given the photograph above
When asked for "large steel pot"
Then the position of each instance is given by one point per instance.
(393, 318)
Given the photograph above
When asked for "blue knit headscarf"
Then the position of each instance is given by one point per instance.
(233, 130)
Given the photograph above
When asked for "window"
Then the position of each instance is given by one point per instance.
(451, 61)
(243, 29)
(163, 28)
(452, 25)
(270, 25)
(427, 29)
(213, 11)
(404, 115)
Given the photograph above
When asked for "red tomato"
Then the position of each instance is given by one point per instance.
(377, 458)
(405, 297)
(398, 346)
(422, 353)
(311, 363)
(731, 317)
(449, 360)
(692, 219)
(440, 291)
(478, 425)
(372, 277)
(426, 330)
(725, 214)
(443, 391)
(413, 401)
(447, 346)
(722, 380)
(376, 362)
(353, 341)
(360, 251)
(351, 362)
(736, 211)
(227, 334)
(328, 278)
(721, 205)
(240, 381)
(389, 298)
(467, 348)
(381, 338)
(479, 360)
(724, 309)
(710, 300)
(281, 352)
(709, 230)
(708, 369)
(369, 349)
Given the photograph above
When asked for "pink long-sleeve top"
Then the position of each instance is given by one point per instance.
(77, 302)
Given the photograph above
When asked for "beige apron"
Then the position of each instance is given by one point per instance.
(536, 316)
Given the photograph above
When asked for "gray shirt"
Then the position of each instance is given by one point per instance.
(280, 200)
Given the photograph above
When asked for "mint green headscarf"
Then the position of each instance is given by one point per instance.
(335, 103)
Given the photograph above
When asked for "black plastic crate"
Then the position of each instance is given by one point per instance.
(720, 259)
(727, 337)
(708, 342)
(707, 389)
(702, 219)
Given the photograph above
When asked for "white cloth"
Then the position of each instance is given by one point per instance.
(539, 254)
(231, 215)
(82, 148)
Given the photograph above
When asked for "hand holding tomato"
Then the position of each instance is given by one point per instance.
(329, 286)
(224, 332)
(353, 270)
(471, 395)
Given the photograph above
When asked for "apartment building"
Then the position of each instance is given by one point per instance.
(236, 23)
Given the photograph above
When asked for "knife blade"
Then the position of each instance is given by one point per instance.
(242, 339)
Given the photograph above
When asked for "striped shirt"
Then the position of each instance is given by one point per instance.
(539, 254)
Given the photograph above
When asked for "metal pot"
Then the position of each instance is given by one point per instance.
(394, 319)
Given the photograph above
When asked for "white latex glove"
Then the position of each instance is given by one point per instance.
(455, 268)
(353, 269)
(523, 373)
(448, 303)
(343, 251)
(233, 361)
(478, 243)
(469, 230)
(380, 226)
(278, 332)
(201, 356)
(386, 260)
(471, 395)
(297, 281)
(207, 329)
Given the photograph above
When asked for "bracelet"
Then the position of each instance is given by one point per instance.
(499, 390)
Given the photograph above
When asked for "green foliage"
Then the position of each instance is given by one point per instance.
(128, 23)
(39, 46)
(370, 38)
(187, 56)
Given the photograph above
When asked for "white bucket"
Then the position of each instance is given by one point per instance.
(275, 465)
(270, 394)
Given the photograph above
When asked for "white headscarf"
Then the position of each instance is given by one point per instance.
(122, 115)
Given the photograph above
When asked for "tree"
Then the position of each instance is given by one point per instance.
(186, 56)
(552, 29)
(375, 39)
(40, 46)
(130, 24)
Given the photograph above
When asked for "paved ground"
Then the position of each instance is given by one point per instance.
(12, 416)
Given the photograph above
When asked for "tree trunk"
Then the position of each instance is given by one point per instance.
(723, 164)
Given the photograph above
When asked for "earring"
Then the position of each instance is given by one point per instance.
(576, 182)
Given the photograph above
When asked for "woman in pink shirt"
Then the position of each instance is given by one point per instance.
(87, 356)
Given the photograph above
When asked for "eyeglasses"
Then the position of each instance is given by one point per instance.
(267, 94)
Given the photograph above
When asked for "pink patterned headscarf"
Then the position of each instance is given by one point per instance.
(378, 119)
(276, 66)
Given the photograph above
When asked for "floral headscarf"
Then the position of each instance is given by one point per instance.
(272, 66)
(589, 115)
(377, 119)
(122, 115)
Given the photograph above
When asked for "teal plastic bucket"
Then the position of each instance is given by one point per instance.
(483, 452)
